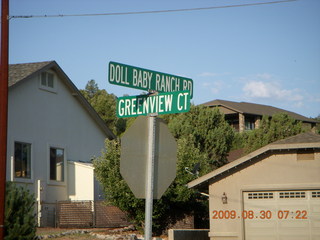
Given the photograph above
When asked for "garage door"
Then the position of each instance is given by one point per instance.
(282, 215)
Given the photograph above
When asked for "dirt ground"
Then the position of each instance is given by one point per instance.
(100, 231)
(51, 231)
(77, 236)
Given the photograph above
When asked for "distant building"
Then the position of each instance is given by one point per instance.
(271, 193)
(53, 133)
(247, 116)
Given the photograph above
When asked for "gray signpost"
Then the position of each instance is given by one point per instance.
(148, 150)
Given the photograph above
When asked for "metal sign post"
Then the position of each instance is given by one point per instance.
(148, 155)
(150, 179)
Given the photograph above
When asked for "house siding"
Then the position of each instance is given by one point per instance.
(47, 119)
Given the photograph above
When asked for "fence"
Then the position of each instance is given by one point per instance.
(85, 214)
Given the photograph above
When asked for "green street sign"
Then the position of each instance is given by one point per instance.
(140, 78)
(162, 103)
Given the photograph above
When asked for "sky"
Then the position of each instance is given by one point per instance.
(266, 53)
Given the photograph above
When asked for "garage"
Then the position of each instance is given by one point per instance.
(272, 193)
(279, 215)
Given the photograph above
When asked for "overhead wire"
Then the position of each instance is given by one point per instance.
(151, 11)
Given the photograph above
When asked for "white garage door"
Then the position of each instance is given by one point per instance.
(282, 215)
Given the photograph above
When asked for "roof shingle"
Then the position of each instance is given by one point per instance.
(307, 137)
(256, 109)
(18, 72)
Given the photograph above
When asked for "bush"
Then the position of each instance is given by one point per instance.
(20, 220)
(176, 202)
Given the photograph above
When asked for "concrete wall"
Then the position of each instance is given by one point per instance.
(278, 171)
(188, 234)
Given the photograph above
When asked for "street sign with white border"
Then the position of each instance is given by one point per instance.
(144, 79)
(161, 103)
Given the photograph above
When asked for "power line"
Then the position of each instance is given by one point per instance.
(149, 12)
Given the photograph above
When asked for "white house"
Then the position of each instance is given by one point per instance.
(272, 193)
(53, 133)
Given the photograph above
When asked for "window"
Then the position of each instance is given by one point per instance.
(47, 79)
(315, 194)
(22, 160)
(57, 164)
(47, 82)
(249, 125)
(260, 195)
(292, 195)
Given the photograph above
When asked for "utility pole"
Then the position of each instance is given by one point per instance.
(4, 69)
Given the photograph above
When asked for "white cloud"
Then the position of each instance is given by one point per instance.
(283, 93)
(271, 90)
(257, 89)
(214, 86)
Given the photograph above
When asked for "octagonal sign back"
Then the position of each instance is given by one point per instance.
(134, 154)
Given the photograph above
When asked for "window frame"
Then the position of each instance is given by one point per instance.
(249, 123)
(22, 179)
(46, 86)
(52, 181)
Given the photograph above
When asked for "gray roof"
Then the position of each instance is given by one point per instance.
(255, 109)
(307, 137)
(18, 72)
(301, 141)
(22, 72)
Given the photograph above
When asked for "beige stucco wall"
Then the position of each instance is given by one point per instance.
(281, 171)
(46, 119)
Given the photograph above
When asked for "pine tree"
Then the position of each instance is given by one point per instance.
(20, 221)
(210, 133)
(105, 105)
(280, 126)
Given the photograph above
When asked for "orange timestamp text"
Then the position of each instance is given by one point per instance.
(263, 214)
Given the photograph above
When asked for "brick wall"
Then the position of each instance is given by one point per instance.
(75, 214)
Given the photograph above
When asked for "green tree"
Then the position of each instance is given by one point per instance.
(176, 201)
(278, 127)
(105, 105)
(211, 133)
(90, 90)
(20, 221)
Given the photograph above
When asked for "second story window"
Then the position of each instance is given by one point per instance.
(47, 81)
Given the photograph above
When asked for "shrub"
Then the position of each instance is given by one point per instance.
(20, 220)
